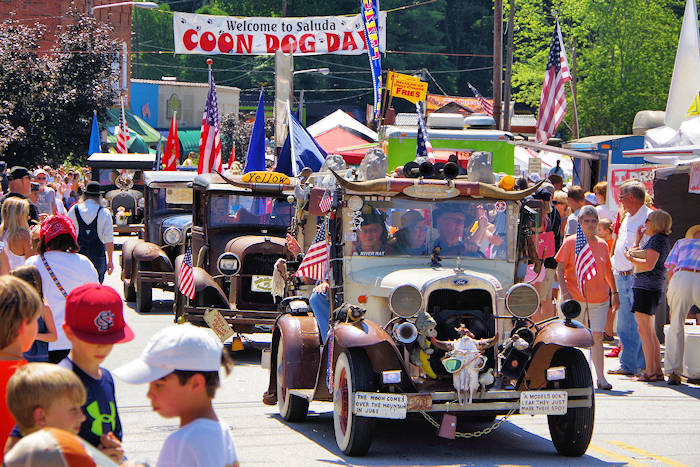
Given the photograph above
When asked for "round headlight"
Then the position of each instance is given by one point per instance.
(228, 264)
(172, 236)
(522, 300)
(405, 301)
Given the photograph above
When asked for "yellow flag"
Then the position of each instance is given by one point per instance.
(694, 107)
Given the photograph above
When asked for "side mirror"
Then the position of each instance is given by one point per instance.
(570, 309)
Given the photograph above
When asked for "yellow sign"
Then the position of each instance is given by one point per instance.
(265, 177)
(694, 107)
(407, 87)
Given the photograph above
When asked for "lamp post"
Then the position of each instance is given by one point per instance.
(322, 71)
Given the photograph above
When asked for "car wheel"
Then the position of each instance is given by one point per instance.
(292, 408)
(144, 297)
(353, 373)
(129, 291)
(571, 433)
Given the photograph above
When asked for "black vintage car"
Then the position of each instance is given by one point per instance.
(122, 184)
(238, 234)
(167, 215)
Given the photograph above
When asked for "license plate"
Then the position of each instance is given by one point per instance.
(380, 405)
(261, 284)
(543, 402)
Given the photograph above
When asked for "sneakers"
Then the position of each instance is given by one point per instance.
(607, 338)
(620, 371)
(674, 379)
(613, 353)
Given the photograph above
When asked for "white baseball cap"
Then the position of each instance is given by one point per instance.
(534, 177)
(178, 347)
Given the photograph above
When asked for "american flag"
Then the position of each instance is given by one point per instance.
(122, 131)
(486, 105)
(209, 139)
(325, 203)
(585, 262)
(186, 279)
(423, 146)
(553, 97)
(315, 261)
(171, 155)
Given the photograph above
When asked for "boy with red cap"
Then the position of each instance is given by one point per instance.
(94, 323)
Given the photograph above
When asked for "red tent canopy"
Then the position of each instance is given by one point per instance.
(335, 141)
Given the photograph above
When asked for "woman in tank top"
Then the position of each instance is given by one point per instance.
(14, 231)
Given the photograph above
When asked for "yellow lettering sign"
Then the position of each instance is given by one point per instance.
(266, 177)
(408, 87)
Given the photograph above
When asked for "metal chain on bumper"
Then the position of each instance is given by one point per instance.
(476, 434)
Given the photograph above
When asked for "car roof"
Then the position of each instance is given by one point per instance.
(214, 182)
(160, 176)
(122, 161)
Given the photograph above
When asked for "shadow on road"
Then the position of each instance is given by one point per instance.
(158, 307)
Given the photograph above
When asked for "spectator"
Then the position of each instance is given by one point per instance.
(557, 181)
(190, 160)
(14, 231)
(590, 199)
(20, 308)
(648, 281)
(62, 269)
(561, 204)
(34, 195)
(683, 265)
(57, 448)
(93, 224)
(605, 231)
(594, 297)
(601, 193)
(20, 187)
(576, 200)
(552, 237)
(181, 364)
(556, 171)
(46, 196)
(632, 196)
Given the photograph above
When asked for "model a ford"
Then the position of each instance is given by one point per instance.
(423, 311)
(167, 214)
(238, 233)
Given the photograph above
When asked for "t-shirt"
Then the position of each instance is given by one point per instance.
(626, 238)
(7, 422)
(572, 223)
(202, 442)
(45, 200)
(72, 270)
(100, 409)
(596, 288)
(654, 279)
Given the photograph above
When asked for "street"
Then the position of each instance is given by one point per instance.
(636, 424)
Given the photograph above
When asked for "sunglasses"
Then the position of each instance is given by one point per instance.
(455, 364)
(556, 203)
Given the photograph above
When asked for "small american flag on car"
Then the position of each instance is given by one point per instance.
(325, 203)
(186, 278)
(315, 261)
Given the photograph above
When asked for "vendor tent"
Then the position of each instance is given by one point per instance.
(137, 126)
(339, 133)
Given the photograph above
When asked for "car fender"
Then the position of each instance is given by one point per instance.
(552, 337)
(153, 254)
(207, 292)
(127, 257)
(301, 351)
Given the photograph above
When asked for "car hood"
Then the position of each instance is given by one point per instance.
(181, 221)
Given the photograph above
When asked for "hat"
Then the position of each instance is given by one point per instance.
(371, 215)
(3, 165)
(411, 218)
(548, 187)
(690, 233)
(534, 177)
(92, 188)
(38, 172)
(507, 183)
(542, 194)
(94, 312)
(590, 197)
(17, 173)
(179, 347)
(53, 226)
(51, 446)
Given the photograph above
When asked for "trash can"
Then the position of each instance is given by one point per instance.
(691, 353)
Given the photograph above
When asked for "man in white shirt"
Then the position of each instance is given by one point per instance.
(632, 197)
(93, 224)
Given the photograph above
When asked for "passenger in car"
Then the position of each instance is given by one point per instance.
(410, 238)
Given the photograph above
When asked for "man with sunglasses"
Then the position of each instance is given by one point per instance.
(20, 187)
(46, 199)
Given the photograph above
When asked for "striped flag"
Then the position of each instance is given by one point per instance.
(209, 139)
(315, 261)
(186, 278)
(553, 97)
(171, 155)
(423, 146)
(585, 262)
(486, 105)
(122, 130)
(325, 203)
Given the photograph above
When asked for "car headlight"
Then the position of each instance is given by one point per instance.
(228, 264)
(172, 236)
(522, 300)
(405, 301)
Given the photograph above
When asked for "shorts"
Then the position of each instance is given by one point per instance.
(593, 315)
(645, 301)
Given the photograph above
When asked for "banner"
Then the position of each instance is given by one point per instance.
(370, 13)
(406, 87)
(314, 35)
(435, 101)
(620, 173)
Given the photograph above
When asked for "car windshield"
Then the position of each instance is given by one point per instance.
(400, 227)
(174, 198)
(228, 209)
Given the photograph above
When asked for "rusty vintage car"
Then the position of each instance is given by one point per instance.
(399, 315)
(238, 234)
(167, 213)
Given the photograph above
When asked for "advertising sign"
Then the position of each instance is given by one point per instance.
(435, 101)
(621, 173)
(370, 16)
(314, 35)
(407, 87)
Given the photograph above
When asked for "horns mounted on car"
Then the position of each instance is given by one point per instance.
(485, 190)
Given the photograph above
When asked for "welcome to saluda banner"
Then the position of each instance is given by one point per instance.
(206, 34)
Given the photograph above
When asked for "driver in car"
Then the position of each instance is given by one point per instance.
(451, 220)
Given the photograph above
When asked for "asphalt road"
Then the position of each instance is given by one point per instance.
(637, 424)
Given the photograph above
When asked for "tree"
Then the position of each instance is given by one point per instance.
(236, 129)
(53, 95)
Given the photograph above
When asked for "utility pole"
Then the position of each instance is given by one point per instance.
(497, 61)
(574, 91)
(509, 66)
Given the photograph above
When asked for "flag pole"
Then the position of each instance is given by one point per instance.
(573, 90)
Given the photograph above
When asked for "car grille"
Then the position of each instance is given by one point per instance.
(257, 264)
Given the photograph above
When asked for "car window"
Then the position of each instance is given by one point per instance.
(233, 209)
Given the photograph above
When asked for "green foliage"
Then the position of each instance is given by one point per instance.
(51, 97)
(236, 129)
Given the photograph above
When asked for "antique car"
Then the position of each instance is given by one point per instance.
(167, 216)
(121, 182)
(444, 333)
(238, 233)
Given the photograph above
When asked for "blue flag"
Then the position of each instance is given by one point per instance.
(370, 15)
(304, 151)
(255, 160)
(284, 161)
(94, 137)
